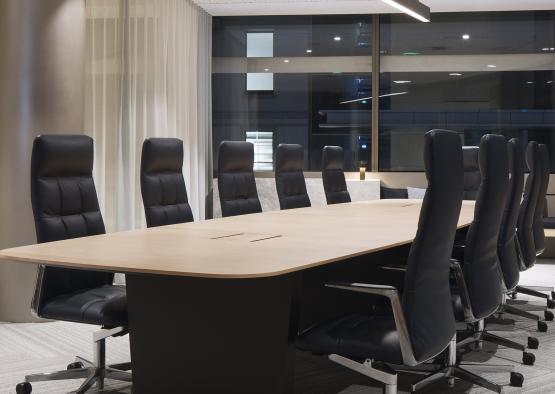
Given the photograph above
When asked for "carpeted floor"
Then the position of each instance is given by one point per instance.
(43, 347)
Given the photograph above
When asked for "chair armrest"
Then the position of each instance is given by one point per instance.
(457, 272)
(392, 294)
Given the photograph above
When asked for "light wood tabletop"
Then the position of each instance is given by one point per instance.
(249, 246)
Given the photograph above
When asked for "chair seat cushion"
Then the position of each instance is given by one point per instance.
(357, 336)
(102, 306)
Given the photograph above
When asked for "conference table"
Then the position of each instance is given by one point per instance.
(214, 306)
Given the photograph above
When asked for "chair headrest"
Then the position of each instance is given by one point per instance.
(289, 157)
(332, 158)
(162, 155)
(63, 155)
(235, 156)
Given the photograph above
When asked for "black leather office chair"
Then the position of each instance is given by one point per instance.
(290, 183)
(236, 182)
(333, 177)
(387, 193)
(421, 324)
(507, 242)
(65, 206)
(472, 177)
(508, 250)
(162, 183)
(478, 292)
(480, 289)
(527, 218)
(539, 230)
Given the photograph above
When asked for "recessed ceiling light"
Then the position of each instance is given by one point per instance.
(309, 51)
(455, 74)
(549, 81)
(466, 36)
(545, 49)
(337, 38)
(402, 82)
(286, 61)
(492, 66)
(266, 69)
(411, 53)
(529, 82)
(364, 102)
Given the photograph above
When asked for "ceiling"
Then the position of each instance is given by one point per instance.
(314, 7)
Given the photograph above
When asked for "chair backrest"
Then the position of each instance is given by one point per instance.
(387, 193)
(472, 175)
(525, 224)
(236, 182)
(162, 183)
(427, 296)
(482, 271)
(539, 230)
(333, 177)
(290, 183)
(65, 205)
(507, 243)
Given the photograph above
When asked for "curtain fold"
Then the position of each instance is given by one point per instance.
(148, 75)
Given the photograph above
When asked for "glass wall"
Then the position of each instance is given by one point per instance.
(295, 79)
(474, 73)
(308, 80)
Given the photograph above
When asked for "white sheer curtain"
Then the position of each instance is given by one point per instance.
(148, 75)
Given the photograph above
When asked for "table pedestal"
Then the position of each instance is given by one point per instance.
(196, 335)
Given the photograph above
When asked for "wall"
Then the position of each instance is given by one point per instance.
(41, 91)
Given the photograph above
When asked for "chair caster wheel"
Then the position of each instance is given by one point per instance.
(24, 388)
(548, 315)
(75, 365)
(542, 326)
(528, 358)
(516, 379)
(533, 342)
(550, 304)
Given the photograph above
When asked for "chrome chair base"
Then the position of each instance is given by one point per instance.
(463, 371)
(383, 375)
(478, 335)
(94, 373)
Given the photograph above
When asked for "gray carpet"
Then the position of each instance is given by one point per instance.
(42, 347)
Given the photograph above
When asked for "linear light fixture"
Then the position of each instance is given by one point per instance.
(413, 8)
(370, 98)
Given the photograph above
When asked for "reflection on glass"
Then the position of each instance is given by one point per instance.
(495, 81)
(260, 44)
(321, 86)
(263, 149)
(260, 82)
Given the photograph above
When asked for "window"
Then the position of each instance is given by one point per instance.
(474, 73)
(306, 78)
(309, 79)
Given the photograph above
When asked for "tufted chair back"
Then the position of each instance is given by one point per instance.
(333, 177)
(236, 182)
(162, 183)
(290, 183)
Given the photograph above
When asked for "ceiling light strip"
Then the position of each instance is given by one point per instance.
(413, 8)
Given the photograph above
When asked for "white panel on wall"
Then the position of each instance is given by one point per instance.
(260, 44)
(260, 82)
